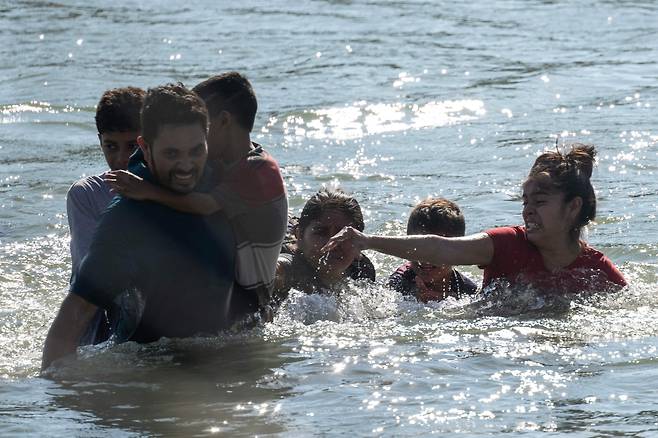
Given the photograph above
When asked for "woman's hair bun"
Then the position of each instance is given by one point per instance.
(582, 156)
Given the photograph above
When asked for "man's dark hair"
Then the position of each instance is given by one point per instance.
(118, 110)
(230, 92)
(331, 200)
(171, 104)
(436, 216)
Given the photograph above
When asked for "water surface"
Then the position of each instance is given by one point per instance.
(392, 101)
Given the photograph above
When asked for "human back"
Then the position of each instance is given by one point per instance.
(176, 267)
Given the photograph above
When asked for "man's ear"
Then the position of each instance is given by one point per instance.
(100, 138)
(145, 147)
(224, 118)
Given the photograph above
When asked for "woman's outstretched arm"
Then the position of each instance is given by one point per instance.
(476, 249)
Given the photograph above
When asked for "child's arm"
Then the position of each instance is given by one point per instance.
(134, 187)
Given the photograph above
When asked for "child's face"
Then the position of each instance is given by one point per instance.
(430, 273)
(117, 147)
(317, 233)
(427, 272)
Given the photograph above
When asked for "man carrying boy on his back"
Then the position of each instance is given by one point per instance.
(427, 282)
(249, 188)
(167, 273)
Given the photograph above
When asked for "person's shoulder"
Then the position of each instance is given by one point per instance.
(261, 161)
(257, 179)
(467, 285)
(517, 232)
(90, 194)
(89, 184)
(362, 268)
(403, 279)
(592, 258)
(509, 238)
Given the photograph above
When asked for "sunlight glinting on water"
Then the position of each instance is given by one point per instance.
(362, 119)
(393, 102)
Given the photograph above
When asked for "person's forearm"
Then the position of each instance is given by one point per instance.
(476, 249)
(422, 248)
(69, 325)
(194, 203)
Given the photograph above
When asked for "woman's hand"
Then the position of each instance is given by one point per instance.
(349, 239)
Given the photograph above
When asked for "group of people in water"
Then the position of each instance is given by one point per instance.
(188, 232)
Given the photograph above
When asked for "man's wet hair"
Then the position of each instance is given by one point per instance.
(230, 92)
(570, 175)
(119, 110)
(335, 200)
(171, 104)
(436, 216)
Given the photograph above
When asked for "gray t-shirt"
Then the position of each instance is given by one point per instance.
(86, 201)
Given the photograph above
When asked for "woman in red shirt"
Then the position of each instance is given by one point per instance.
(546, 253)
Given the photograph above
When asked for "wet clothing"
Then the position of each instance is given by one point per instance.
(171, 272)
(86, 201)
(518, 261)
(403, 280)
(251, 193)
(295, 272)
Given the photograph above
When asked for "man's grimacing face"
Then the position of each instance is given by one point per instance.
(177, 156)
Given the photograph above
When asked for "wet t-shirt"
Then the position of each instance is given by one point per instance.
(180, 266)
(518, 261)
(252, 194)
(86, 201)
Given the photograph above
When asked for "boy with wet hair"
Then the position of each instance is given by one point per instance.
(118, 124)
(424, 281)
(248, 185)
(302, 266)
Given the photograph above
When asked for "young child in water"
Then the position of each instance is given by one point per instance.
(546, 253)
(303, 266)
(426, 281)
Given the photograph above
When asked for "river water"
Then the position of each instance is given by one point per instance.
(392, 101)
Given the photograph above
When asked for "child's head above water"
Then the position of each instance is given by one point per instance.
(436, 216)
(440, 217)
(324, 215)
(558, 194)
(118, 124)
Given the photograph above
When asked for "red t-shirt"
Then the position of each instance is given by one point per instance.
(518, 261)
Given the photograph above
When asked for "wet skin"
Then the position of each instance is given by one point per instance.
(548, 218)
(177, 156)
(332, 265)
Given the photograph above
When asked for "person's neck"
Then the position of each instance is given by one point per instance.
(561, 254)
(238, 146)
